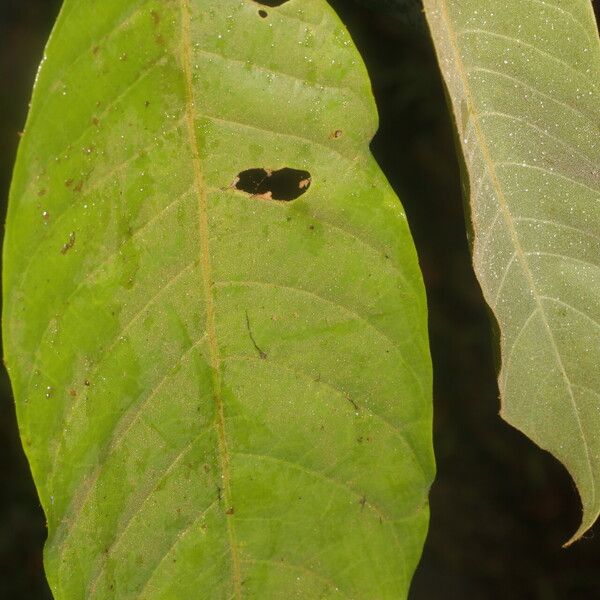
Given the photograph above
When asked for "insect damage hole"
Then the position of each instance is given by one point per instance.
(284, 185)
(271, 3)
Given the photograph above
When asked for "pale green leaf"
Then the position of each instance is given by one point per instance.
(221, 395)
(523, 78)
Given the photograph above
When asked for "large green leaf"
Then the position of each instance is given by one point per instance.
(221, 395)
(523, 78)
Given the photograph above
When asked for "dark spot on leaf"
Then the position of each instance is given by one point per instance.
(86, 383)
(147, 103)
(352, 402)
(41, 192)
(70, 243)
(229, 511)
(155, 17)
(95, 49)
(261, 353)
(95, 121)
(284, 185)
(362, 502)
(336, 134)
(263, 13)
(78, 187)
(69, 183)
(271, 3)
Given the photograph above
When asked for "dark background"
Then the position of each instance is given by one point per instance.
(500, 507)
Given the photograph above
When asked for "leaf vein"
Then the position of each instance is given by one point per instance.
(524, 165)
(346, 309)
(207, 279)
(363, 407)
(496, 113)
(575, 310)
(176, 541)
(531, 88)
(508, 38)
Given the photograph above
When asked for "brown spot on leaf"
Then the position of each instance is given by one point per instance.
(349, 398)
(362, 502)
(70, 243)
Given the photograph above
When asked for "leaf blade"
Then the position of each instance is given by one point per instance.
(522, 85)
(129, 385)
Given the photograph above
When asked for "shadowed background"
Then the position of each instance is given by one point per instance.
(500, 507)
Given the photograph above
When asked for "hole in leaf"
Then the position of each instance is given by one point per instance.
(284, 185)
(263, 13)
(271, 3)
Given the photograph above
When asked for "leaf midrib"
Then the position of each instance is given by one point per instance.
(508, 219)
(207, 286)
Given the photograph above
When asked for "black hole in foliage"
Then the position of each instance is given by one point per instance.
(263, 13)
(284, 185)
(271, 3)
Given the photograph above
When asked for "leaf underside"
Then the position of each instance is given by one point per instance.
(523, 79)
(221, 395)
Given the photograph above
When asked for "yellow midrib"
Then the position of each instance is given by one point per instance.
(507, 217)
(207, 285)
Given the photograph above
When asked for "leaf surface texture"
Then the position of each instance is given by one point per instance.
(523, 79)
(221, 395)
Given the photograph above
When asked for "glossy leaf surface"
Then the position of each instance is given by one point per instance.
(222, 393)
(523, 78)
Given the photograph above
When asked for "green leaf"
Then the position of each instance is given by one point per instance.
(523, 79)
(221, 394)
